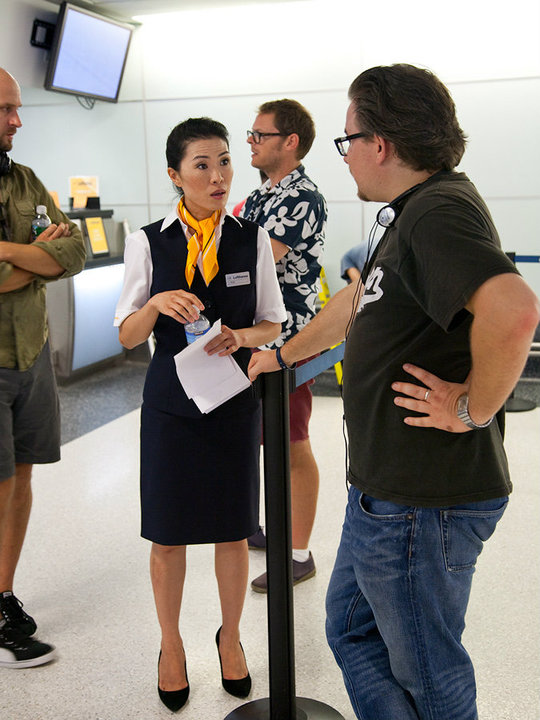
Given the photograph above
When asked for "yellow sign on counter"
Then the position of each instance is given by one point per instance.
(97, 236)
(83, 187)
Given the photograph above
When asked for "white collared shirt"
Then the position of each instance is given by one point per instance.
(138, 273)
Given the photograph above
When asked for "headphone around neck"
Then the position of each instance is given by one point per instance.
(388, 214)
(5, 163)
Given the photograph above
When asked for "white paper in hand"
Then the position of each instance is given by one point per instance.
(209, 380)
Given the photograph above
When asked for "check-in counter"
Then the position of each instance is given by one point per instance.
(81, 308)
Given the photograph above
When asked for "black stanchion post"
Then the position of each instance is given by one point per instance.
(282, 703)
(277, 490)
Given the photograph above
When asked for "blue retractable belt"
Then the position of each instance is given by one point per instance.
(317, 365)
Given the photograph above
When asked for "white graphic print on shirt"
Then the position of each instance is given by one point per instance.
(373, 290)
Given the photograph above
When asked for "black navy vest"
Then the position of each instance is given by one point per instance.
(235, 305)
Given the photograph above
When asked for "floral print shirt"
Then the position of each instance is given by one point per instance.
(293, 212)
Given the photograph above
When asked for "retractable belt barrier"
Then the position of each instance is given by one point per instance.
(319, 364)
(282, 703)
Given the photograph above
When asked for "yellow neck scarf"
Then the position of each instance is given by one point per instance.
(202, 241)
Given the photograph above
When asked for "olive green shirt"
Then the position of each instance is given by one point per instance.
(23, 312)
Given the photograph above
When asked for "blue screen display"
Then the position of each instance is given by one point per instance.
(91, 55)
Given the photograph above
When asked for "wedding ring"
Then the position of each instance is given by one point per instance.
(426, 395)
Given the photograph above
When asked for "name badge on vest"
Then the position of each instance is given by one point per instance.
(240, 278)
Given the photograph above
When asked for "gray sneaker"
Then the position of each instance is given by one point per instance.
(258, 540)
(301, 571)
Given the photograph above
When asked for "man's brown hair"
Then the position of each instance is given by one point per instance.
(292, 117)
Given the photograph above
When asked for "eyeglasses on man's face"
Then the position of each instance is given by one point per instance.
(258, 136)
(343, 143)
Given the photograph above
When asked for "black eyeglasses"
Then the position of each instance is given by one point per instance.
(4, 224)
(343, 143)
(256, 136)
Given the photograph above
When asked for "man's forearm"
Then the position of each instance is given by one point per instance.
(327, 328)
(17, 280)
(30, 258)
(506, 314)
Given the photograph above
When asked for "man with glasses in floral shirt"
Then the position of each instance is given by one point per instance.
(290, 207)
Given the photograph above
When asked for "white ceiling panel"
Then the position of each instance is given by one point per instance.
(130, 8)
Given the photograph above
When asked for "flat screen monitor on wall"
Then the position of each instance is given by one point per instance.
(88, 54)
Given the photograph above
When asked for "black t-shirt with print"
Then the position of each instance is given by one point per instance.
(442, 248)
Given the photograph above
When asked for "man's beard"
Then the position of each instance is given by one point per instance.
(363, 196)
(6, 145)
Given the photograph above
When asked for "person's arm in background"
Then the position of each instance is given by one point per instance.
(279, 249)
(353, 262)
(353, 274)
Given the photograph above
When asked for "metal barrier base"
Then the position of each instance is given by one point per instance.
(306, 709)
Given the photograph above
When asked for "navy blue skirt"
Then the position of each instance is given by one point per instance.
(199, 476)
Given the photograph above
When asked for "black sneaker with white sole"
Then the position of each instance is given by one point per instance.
(19, 651)
(11, 609)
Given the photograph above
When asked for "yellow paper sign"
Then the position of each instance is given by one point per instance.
(82, 187)
(55, 197)
(97, 236)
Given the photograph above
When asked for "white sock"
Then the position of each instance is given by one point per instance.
(300, 555)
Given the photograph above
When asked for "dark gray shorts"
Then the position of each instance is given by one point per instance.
(29, 415)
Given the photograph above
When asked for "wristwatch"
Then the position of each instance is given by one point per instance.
(463, 414)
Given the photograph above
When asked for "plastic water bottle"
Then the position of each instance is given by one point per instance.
(198, 327)
(41, 221)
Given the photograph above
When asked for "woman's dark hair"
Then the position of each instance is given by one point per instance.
(411, 108)
(189, 130)
(292, 117)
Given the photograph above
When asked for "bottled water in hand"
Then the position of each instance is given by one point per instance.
(41, 222)
(198, 327)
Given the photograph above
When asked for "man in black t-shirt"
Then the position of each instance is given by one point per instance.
(438, 331)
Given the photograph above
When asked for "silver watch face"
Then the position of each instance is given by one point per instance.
(463, 414)
(462, 407)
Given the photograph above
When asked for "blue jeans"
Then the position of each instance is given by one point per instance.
(396, 606)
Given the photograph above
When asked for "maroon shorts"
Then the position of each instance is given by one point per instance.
(300, 402)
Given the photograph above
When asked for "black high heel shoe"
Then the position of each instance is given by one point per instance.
(239, 688)
(173, 699)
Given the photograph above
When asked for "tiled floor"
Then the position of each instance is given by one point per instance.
(84, 575)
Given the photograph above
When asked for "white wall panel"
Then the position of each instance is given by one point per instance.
(518, 223)
(462, 40)
(136, 215)
(502, 121)
(108, 141)
(240, 50)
